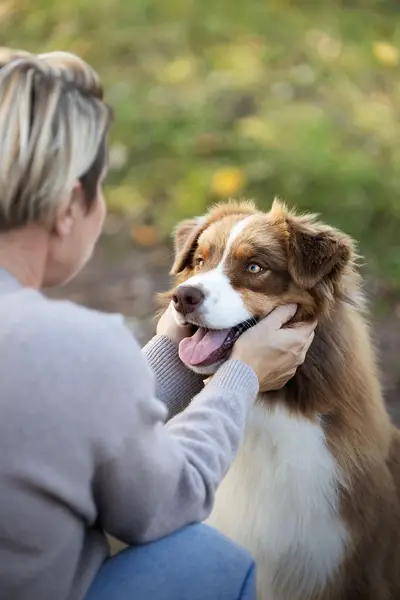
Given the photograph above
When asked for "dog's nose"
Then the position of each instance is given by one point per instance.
(187, 298)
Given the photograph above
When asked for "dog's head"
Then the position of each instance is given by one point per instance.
(235, 265)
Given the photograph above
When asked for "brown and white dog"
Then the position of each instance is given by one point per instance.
(314, 492)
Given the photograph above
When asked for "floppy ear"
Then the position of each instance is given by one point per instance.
(316, 252)
(186, 236)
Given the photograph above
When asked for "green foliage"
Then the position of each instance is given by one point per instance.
(256, 98)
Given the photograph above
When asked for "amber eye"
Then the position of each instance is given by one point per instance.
(254, 268)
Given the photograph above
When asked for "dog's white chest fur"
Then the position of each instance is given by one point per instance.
(280, 501)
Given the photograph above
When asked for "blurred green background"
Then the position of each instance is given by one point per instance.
(231, 98)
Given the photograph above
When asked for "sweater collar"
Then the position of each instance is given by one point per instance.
(8, 281)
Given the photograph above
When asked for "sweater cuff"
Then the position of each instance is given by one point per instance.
(238, 377)
(176, 385)
(161, 354)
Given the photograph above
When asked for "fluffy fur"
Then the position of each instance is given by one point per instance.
(314, 492)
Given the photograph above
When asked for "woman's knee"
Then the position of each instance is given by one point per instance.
(195, 562)
(207, 543)
(211, 561)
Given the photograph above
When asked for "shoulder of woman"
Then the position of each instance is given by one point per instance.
(75, 359)
(65, 330)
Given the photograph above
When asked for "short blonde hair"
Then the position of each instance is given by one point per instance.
(53, 124)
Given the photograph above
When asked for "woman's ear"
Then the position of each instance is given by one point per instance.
(68, 212)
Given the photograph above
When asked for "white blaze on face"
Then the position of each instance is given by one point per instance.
(223, 306)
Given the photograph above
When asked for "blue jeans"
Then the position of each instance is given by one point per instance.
(192, 564)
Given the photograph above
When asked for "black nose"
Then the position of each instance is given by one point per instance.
(187, 298)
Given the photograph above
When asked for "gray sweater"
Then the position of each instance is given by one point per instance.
(84, 444)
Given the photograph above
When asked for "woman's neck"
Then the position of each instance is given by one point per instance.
(23, 253)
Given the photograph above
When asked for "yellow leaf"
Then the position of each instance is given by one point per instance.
(386, 54)
(178, 71)
(246, 64)
(255, 128)
(145, 235)
(227, 182)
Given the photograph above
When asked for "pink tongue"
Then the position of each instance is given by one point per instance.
(196, 349)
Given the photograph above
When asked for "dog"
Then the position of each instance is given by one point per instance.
(314, 492)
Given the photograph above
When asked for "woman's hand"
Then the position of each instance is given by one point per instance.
(168, 326)
(274, 352)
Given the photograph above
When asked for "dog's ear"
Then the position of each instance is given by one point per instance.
(315, 254)
(185, 237)
(314, 250)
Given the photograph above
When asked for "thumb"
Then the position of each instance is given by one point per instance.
(280, 316)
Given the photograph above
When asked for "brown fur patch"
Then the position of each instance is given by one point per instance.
(244, 250)
(189, 232)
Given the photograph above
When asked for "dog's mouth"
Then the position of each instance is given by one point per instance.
(209, 346)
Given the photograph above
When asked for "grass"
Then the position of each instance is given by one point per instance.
(230, 98)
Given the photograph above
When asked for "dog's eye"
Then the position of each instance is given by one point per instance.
(199, 262)
(254, 268)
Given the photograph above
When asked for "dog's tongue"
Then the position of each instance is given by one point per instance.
(196, 349)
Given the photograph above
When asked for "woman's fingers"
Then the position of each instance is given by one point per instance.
(279, 316)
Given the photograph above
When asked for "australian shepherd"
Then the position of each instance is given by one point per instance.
(314, 492)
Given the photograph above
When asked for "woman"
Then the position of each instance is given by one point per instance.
(84, 448)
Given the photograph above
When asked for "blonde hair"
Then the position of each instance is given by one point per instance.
(53, 124)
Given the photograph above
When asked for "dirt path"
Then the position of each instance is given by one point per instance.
(120, 279)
